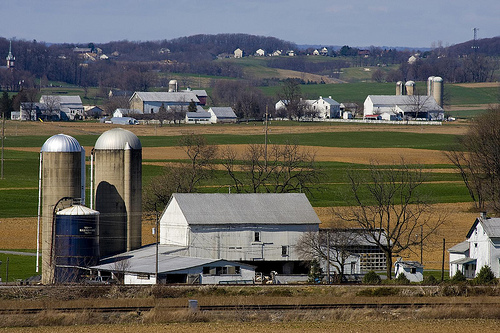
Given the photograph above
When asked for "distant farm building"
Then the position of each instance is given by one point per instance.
(222, 115)
(150, 102)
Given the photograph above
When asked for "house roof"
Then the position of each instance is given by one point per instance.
(462, 261)
(427, 103)
(184, 96)
(246, 208)
(63, 99)
(409, 264)
(491, 226)
(198, 114)
(329, 100)
(459, 248)
(143, 260)
(223, 112)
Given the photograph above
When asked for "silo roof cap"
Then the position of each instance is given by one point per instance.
(117, 138)
(77, 210)
(61, 143)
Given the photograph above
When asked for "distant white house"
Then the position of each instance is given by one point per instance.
(481, 248)
(222, 115)
(326, 108)
(139, 267)
(260, 229)
(276, 53)
(238, 53)
(260, 53)
(323, 108)
(413, 270)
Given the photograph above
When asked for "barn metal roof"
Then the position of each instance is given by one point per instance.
(61, 143)
(223, 112)
(117, 138)
(185, 96)
(143, 260)
(248, 208)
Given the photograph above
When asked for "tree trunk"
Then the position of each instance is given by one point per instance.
(388, 255)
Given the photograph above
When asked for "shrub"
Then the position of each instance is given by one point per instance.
(485, 276)
(430, 280)
(315, 272)
(402, 279)
(371, 278)
(458, 277)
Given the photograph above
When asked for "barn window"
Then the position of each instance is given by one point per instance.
(256, 236)
(284, 251)
(413, 270)
(143, 276)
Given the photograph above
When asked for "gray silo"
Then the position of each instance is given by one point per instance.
(62, 174)
(410, 88)
(76, 243)
(118, 190)
(400, 88)
(437, 90)
(172, 86)
(430, 87)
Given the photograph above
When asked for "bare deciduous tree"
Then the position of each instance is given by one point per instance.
(478, 160)
(277, 169)
(390, 199)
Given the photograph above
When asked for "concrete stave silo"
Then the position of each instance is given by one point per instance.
(62, 175)
(437, 90)
(117, 159)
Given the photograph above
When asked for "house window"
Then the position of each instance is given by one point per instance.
(256, 236)
(475, 245)
(284, 251)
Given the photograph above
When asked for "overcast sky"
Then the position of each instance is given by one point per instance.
(324, 22)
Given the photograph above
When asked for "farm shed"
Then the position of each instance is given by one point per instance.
(413, 270)
(481, 248)
(139, 267)
(403, 106)
(199, 117)
(260, 229)
(222, 115)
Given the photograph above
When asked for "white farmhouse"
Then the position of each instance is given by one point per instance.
(151, 102)
(222, 115)
(481, 248)
(260, 53)
(326, 108)
(260, 229)
(238, 53)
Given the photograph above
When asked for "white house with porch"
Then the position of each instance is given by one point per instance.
(481, 248)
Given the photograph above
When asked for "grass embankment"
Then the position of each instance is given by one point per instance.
(452, 305)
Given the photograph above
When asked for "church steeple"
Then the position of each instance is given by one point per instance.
(10, 58)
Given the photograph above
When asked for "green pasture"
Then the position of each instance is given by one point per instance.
(19, 267)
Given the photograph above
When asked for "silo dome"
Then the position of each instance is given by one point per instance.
(117, 138)
(61, 143)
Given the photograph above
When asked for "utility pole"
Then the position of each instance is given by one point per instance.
(265, 140)
(442, 264)
(421, 245)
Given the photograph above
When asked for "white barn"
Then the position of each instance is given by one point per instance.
(399, 107)
(481, 248)
(222, 115)
(260, 229)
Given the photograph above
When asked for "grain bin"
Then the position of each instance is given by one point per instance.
(76, 242)
(62, 174)
(117, 159)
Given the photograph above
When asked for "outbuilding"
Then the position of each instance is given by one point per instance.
(413, 270)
